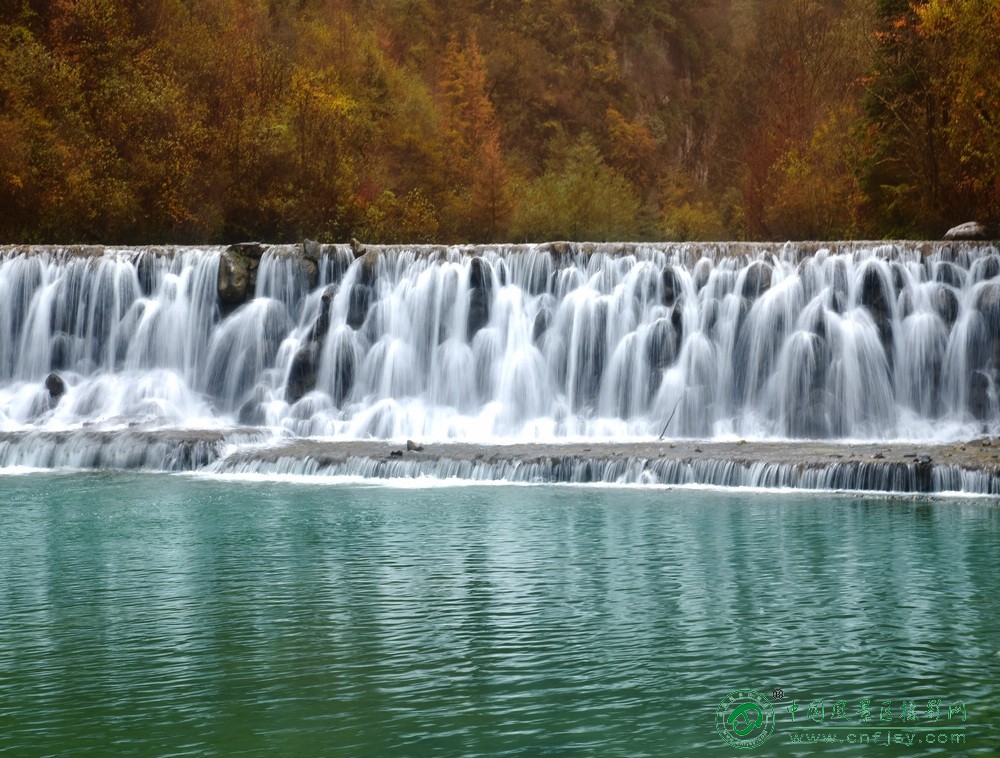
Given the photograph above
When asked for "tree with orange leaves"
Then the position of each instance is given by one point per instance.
(471, 133)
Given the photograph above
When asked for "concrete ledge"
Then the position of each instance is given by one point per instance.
(971, 455)
(972, 467)
(894, 467)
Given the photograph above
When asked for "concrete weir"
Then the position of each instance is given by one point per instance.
(895, 467)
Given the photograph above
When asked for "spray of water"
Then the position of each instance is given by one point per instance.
(521, 343)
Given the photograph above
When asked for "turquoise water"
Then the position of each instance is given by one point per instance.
(157, 615)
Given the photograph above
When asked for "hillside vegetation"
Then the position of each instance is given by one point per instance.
(483, 120)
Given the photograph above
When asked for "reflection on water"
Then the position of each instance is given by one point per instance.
(159, 615)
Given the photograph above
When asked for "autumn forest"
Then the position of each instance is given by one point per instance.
(428, 120)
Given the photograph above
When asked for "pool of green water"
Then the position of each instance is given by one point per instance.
(170, 615)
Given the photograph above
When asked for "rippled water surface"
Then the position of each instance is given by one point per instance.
(157, 615)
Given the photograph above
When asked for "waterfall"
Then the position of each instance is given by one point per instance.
(861, 341)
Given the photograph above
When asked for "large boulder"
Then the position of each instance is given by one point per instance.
(979, 397)
(950, 274)
(875, 297)
(312, 250)
(311, 269)
(702, 273)
(302, 375)
(479, 310)
(945, 302)
(480, 275)
(369, 264)
(673, 287)
(564, 250)
(970, 230)
(252, 413)
(234, 281)
(839, 284)
(238, 274)
(480, 295)
(988, 304)
(359, 305)
(322, 323)
(662, 344)
(757, 280)
(56, 386)
(344, 367)
(145, 271)
(985, 268)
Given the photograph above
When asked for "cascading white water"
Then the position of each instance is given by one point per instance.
(528, 342)
(127, 330)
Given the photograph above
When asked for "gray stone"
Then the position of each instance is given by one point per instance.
(145, 271)
(480, 275)
(238, 274)
(562, 249)
(480, 295)
(757, 281)
(312, 250)
(56, 386)
(672, 286)
(877, 300)
(979, 396)
(321, 325)
(251, 413)
(662, 344)
(946, 304)
(970, 230)
(368, 271)
(986, 268)
(302, 375)
(479, 310)
(360, 303)
(950, 274)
